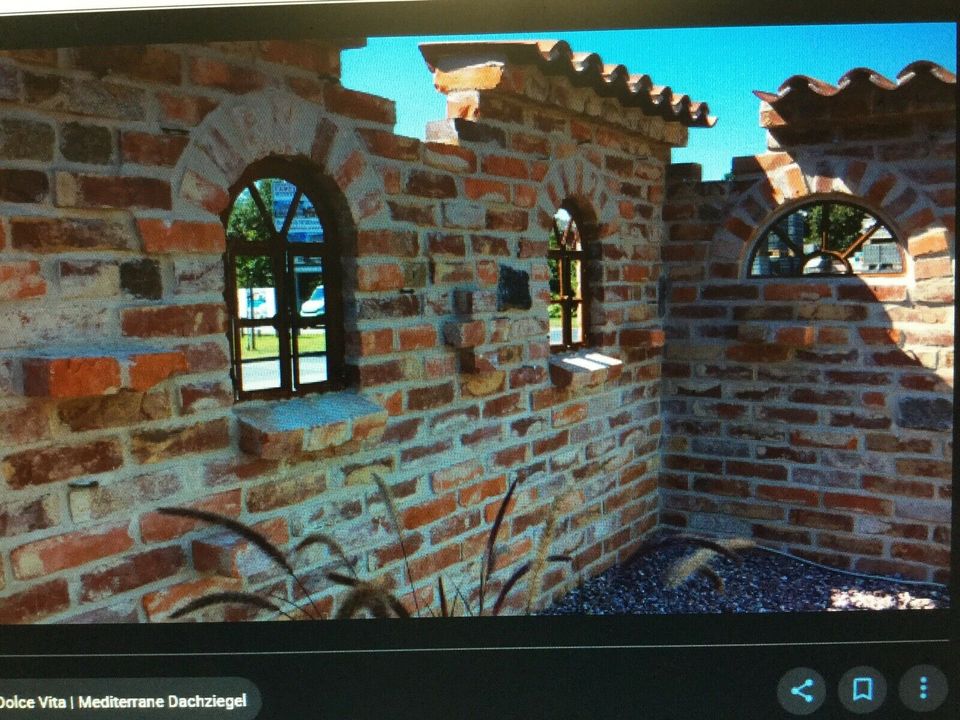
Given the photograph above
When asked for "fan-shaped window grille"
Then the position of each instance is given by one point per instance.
(826, 237)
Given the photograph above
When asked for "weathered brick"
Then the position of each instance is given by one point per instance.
(21, 517)
(430, 397)
(151, 446)
(821, 520)
(35, 603)
(132, 572)
(174, 321)
(156, 527)
(23, 186)
(86, 143)
(21, 280)
(123, 408)
(47, 465)
(43, 557)
(107, 191)
(22, 139)
(142, 62)
(65, 235)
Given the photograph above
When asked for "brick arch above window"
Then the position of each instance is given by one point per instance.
(883, 190)
(271, 123)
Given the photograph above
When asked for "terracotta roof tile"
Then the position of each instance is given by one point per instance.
(555, 58)
(920, 86)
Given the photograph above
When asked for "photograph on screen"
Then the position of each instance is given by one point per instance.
(592, 323)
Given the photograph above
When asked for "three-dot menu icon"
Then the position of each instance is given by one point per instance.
(923, 688)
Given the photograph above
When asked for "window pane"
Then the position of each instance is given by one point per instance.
(576, 278)
(256, 291)
(306, 227)
(277, 195)
(259, 358)
(309, 291)
(246, 221)
(555, 312)
(576, 325)
(554, 266)
(312, 350)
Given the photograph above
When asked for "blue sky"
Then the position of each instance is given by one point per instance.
(718, 65)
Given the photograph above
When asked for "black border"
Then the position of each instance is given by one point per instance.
(42, 650)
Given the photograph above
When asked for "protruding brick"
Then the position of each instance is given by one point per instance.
(70, 377)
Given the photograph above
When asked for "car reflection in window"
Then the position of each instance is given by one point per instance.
(314, 304)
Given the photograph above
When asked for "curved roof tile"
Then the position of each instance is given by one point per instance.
(555, 57)
(860, 89)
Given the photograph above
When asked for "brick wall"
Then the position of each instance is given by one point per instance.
(114, 371)
(815, 414)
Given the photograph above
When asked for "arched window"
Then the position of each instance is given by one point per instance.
(826, 236)
(283, 283)
(569, 289)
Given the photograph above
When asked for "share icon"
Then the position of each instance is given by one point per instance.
(798, 690)
(801, 691)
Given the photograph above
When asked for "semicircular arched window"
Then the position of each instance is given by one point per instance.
(283, 283)
(826, 237)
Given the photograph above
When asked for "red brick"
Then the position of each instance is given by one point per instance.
(386, 144)
(51, 555)
(435, 562)
(35, 603)
(642, 338)
(70, 377)
(114, 192)
(432, 185)
(857, 503)
(151, 446)
(142, 62)
(38, 467)
(19, 518)
(174, 321)
(418, 338)
(181, 237)
(478, 492)
(161, 603)
(836, 441)
(568, 415)
(380, 277)
(509, 457)
(155, 527)
(387, 242)
(21, 280)
(237, 79)
(133, 572)
(760, 470)
(924, 468)
(879, 336)
(186, 109)
(150, 369)
(921, 553)
(430, 397)
(358, 105)
(821, 520)
(791, 495)
(147, 149)
(283, 493)
(758, 352)
(872, 293)
(890, 486)
(204, 357)
(455, 476)
(204, 193)
(465, 334)
(319, 58)
(505, 166)
(428, 512)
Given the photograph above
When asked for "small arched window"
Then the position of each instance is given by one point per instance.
(283, 283)
(826, 237)
(569, 288)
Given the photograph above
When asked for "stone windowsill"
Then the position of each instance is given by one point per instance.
(583, 368)
(328, 423)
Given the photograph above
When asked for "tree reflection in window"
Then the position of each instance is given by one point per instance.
(826, 237)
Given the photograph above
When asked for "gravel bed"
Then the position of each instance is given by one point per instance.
(762, 582)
